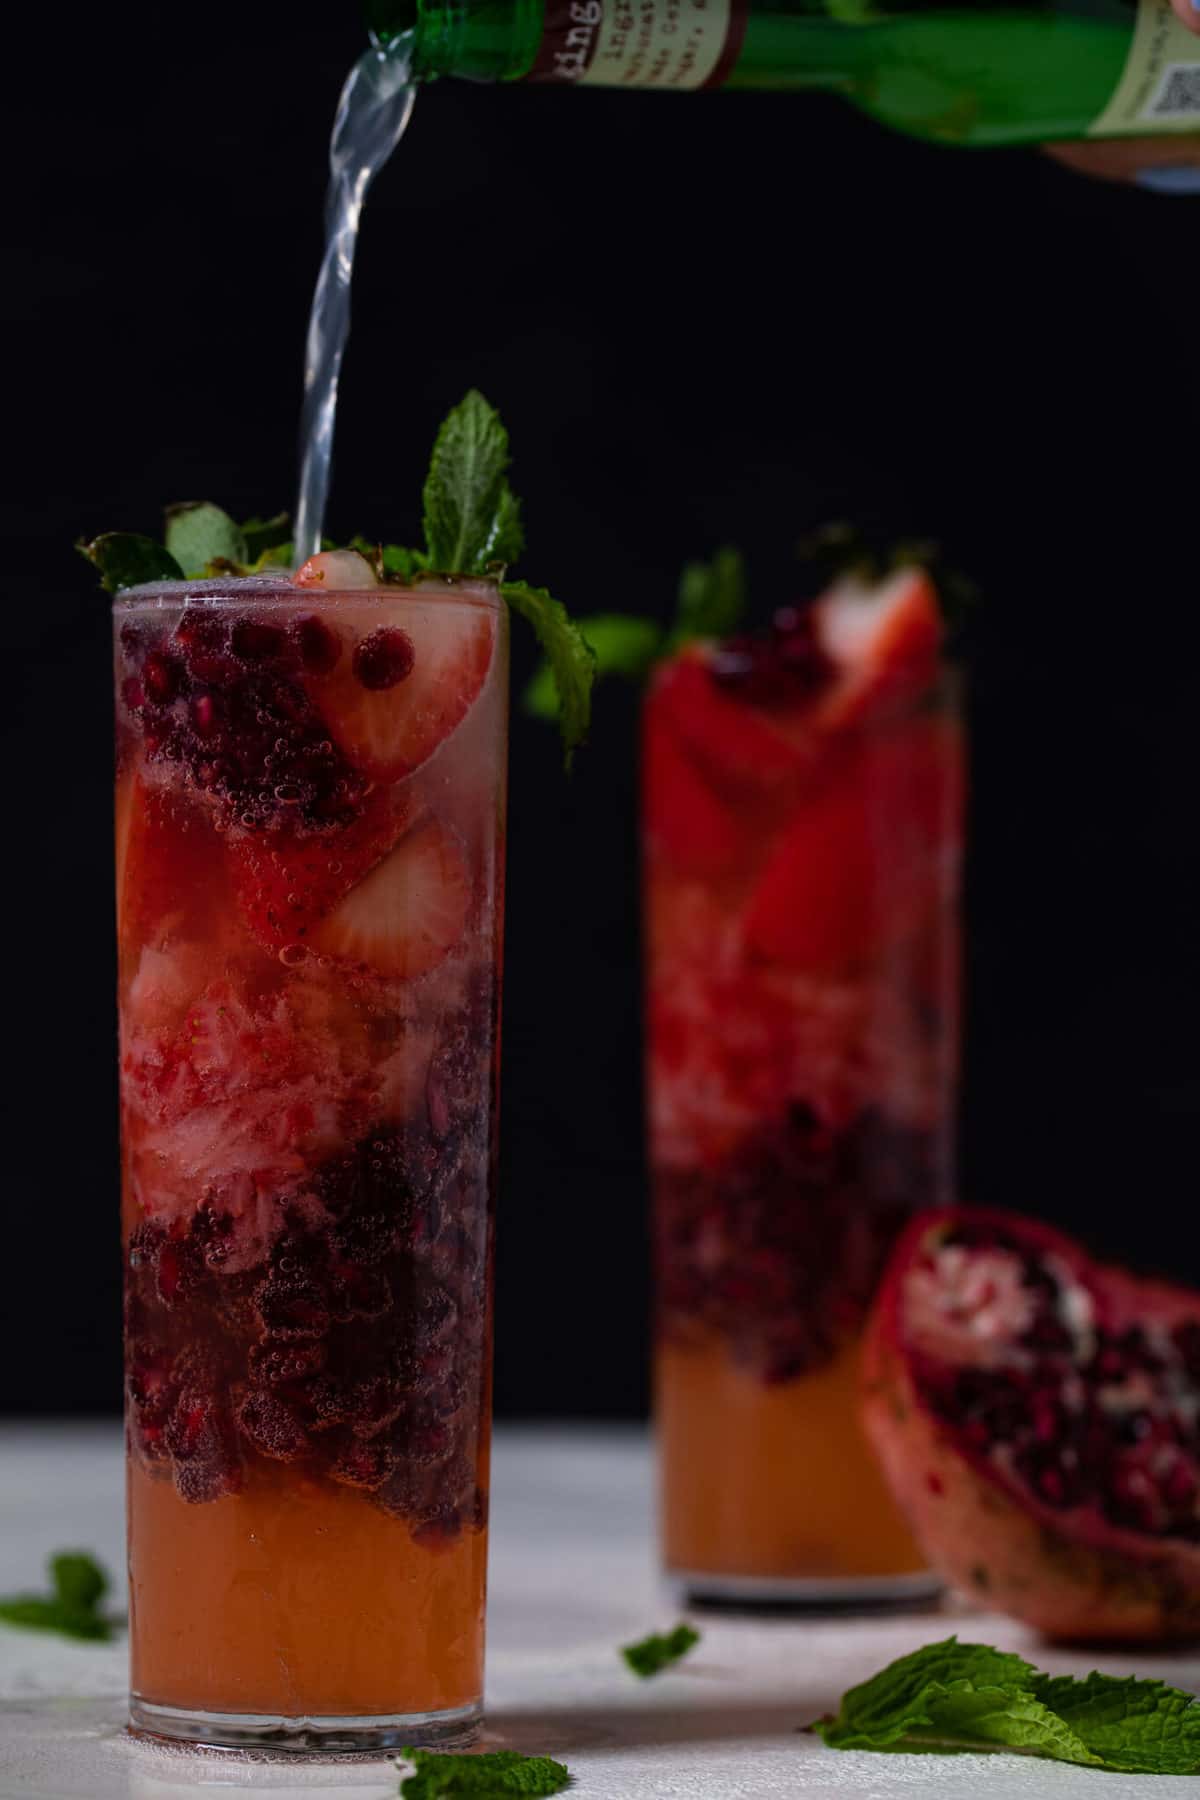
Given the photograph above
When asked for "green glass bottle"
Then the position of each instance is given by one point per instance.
(979, 72)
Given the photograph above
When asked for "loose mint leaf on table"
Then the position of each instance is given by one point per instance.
(621, 644)
(124, 558)
(487, 1776)
(73, 1608)
(571, 658)
(951, 1696)
(660, 1650)
(199, 533)
(881, 1711)
(78, 1579)
(1143, 1727)
(471, 516)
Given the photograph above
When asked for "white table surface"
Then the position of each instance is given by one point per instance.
(572, 1577)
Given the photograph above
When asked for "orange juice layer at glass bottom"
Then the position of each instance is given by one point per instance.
(297, 1598)
(771, 1479)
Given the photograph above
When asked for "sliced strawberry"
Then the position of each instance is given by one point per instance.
(868, 856)
(406, 915)
(731, 738)
(286, 883)
(406, 676)
(884, 641)
(687, 823)
(170, 886)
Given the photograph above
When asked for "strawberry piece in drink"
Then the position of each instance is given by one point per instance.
(395, 693)
(869, 857)
(883, 641)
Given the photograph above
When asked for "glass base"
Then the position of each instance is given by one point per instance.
(332, 1735)
(804, 1593)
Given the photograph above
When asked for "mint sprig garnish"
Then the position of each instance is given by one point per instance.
(78, 1585)
(488, 1775)
(199, 534)
(621, 643)
(125, 558)
(711, 600)
(951, 1696)
(651, 1655)
(571, 659)
(472, 526)
(471, 517)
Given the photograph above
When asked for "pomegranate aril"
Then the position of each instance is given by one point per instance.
(363, 1465)
(272, 1426)
(319, 647)
(280, 1363)
(292, 1307)
(162, 678)
(257, 642)
(383, 658)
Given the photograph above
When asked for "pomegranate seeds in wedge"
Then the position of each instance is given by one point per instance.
(1035, 1413)
(407, 915)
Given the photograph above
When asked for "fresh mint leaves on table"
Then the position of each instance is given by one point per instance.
(952, 1696)
(710, 603)
(78, 1585)
(471, 525)
(658, 1651)
(489, 1775)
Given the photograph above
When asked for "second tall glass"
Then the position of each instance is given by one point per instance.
(803, 826)
(310, 795)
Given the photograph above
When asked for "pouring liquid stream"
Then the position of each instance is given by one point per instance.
(372, 114)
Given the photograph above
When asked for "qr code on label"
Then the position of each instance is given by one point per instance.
(1178, 93)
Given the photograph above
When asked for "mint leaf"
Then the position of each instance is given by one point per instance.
(72, 1609)
(79, 1581)
(1144, 1727)
(199, 533)
(389, 559)
(622, 644)
(660, 1650)
(964, 1717)
(712, 597)
(880, 1711)
(952, 1696)
(125, 558)
(491, 1773)
(263, 535)
(571, 658)
(471, 517)
(508, 534)
(36, 1613)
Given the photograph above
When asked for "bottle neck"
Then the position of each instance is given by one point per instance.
(474, 40)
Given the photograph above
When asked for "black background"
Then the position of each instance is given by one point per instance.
(705, 319)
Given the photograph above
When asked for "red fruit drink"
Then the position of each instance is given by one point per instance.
(803, 823)
(310, 792)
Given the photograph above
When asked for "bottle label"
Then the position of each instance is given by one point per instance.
(1160, 89)
(640, 43)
